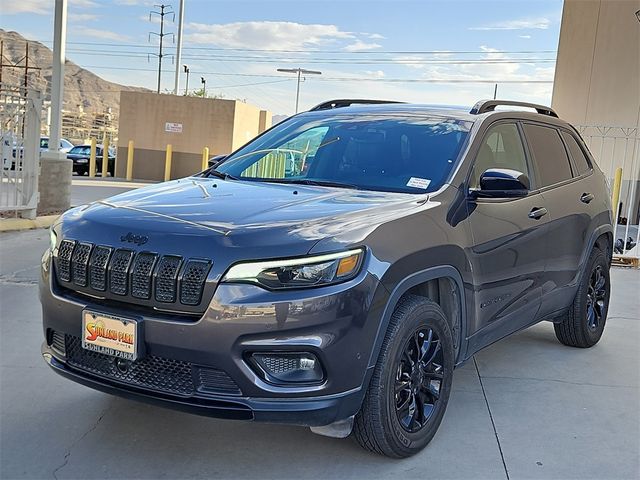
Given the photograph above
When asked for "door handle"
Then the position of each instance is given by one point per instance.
(586, 197)
(538, 212)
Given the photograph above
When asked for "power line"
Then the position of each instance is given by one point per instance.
(351, 79)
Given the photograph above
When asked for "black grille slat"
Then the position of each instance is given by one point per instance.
(193, 278)
(211, 380)
(141, 275)
(80, 263)
(166, 278)
(157, 373)
(98, 267)
(119, 271)
(63, 266)
(58, 342)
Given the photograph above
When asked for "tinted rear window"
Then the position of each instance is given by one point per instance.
(579, 160)
(549, 154)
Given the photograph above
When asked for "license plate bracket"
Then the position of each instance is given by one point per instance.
(112, 335)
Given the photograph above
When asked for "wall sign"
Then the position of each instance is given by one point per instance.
(173, 127)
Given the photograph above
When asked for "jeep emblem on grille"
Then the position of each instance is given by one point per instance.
(132, 238)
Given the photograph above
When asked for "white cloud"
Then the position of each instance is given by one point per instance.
(523, 24)
(83, 3)
(360, 46)
(524, 36)
(39, 7)
(373, 36)
(100, 33)
(374, 73)
(82, 17)
(265, 35)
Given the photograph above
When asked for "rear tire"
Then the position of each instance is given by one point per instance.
(414, 368)
(583, 324)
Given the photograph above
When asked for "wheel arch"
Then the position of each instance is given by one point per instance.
(432, 283)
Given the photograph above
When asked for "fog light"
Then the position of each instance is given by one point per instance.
(284, 368)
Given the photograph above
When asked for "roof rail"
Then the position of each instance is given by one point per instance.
(345, 102)
(484, 106)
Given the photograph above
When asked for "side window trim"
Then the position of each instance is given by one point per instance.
(528, 160)
(572, 161)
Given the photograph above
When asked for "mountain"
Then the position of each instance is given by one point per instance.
(82, 88)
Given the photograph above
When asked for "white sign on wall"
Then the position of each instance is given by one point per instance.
(173, 127)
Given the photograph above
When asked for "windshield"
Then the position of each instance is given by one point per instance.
(373, 152)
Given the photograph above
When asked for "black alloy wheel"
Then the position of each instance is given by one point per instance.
(419, 378)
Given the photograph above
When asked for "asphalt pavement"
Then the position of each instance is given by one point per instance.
(526, 407)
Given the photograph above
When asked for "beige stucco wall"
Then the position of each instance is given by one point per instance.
(221, 125)
(597, 87)
(597, 78)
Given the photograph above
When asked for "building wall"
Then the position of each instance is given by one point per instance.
(597, 86)
(597, 78)
(221, 125)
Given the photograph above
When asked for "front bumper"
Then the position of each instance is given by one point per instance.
(338, 324)
(309, 411)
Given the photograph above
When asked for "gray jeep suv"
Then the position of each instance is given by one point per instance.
(335, 270)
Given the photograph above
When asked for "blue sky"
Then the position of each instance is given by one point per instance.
(421, 51)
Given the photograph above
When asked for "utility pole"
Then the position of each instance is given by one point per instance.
(204, 87)
(55, 169)
(495, 92)
(299, 72)
(164, 10)
(186, 87)
(179, 49)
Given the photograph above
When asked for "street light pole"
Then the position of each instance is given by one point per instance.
(186, 87)
(179, 48)
(204, 87)
(299, 72)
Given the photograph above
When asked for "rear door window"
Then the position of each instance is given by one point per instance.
(549, 155)
(580, 161)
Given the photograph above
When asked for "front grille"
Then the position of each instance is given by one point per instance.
(80, 262)
(167, 275)
(65, 251)
(162, 374)
(98, 268)
(141, 275)
(157, 373)
(143, 278)
(211, 380)
(195, 273)
(58, 342)
(119, 271)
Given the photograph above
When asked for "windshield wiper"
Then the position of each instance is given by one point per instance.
(323, 183)
(222, 175)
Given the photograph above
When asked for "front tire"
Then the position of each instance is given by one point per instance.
(411, 383)
(583, 324)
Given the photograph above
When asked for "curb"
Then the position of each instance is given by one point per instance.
(16, 224)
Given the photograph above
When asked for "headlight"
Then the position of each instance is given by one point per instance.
(53, 239)
(299, 272)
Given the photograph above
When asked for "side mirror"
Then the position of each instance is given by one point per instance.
(213, 161)
(503, 182)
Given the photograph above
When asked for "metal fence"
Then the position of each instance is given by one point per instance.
(20, 120)
(619, 147)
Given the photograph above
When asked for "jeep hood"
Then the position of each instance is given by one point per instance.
(241, 213)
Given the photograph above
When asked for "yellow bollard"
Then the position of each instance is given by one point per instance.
(130, 161)
(92, 159)
(105, 157)
(167, 164)
(615, 195)
(205, 158)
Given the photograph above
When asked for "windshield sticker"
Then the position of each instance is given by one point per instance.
(417, 182)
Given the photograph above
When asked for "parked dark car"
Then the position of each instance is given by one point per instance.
(81, 154)
(337, 289)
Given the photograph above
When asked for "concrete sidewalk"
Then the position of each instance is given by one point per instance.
(527, 407)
